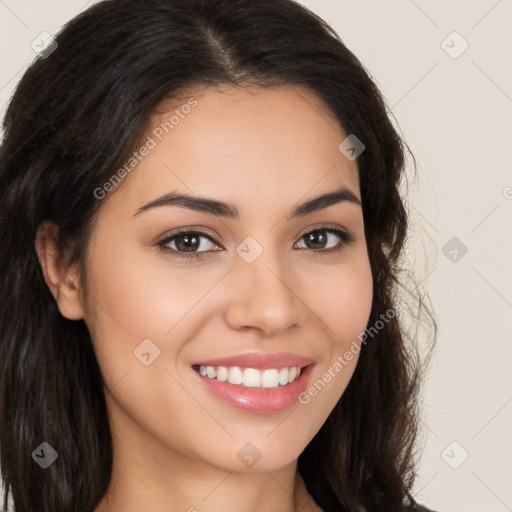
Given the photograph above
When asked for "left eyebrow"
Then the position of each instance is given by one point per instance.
(324, 201)
(221, 209)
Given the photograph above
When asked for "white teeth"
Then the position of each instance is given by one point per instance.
(251, 377)
(222, 374)
(235, 375)
(270, 379)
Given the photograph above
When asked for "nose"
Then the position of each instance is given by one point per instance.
(263, 297)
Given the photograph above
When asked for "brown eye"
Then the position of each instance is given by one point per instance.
(317, 239)
(187, 244)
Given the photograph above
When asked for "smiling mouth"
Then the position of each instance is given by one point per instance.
(251, 377)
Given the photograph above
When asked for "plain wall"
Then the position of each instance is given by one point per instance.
(454, 109)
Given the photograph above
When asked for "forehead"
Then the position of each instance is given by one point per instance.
(246, 145)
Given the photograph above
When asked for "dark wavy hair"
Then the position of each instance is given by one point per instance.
(76, 114)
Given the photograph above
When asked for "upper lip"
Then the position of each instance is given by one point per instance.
(259, 360)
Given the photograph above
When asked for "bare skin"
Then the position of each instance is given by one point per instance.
(175, 444)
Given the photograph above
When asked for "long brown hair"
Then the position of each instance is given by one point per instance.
(75, 116)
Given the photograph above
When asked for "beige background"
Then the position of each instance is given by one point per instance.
(455, 111)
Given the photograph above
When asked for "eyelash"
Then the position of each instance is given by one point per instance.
(346, 239)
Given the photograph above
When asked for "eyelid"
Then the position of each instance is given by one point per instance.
(189, 229)
(325, 226)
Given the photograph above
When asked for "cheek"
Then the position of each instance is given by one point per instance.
(354, 303)
(125, 306)
(354, 308)
(141, 300)
(345, 306)
(344, 300)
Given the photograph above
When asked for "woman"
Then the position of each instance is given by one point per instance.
(202, 229)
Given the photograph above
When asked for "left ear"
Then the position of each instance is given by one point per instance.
(61, 279)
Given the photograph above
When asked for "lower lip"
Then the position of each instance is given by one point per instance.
(257, 399)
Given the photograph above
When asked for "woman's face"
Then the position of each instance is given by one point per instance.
(267, 293)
